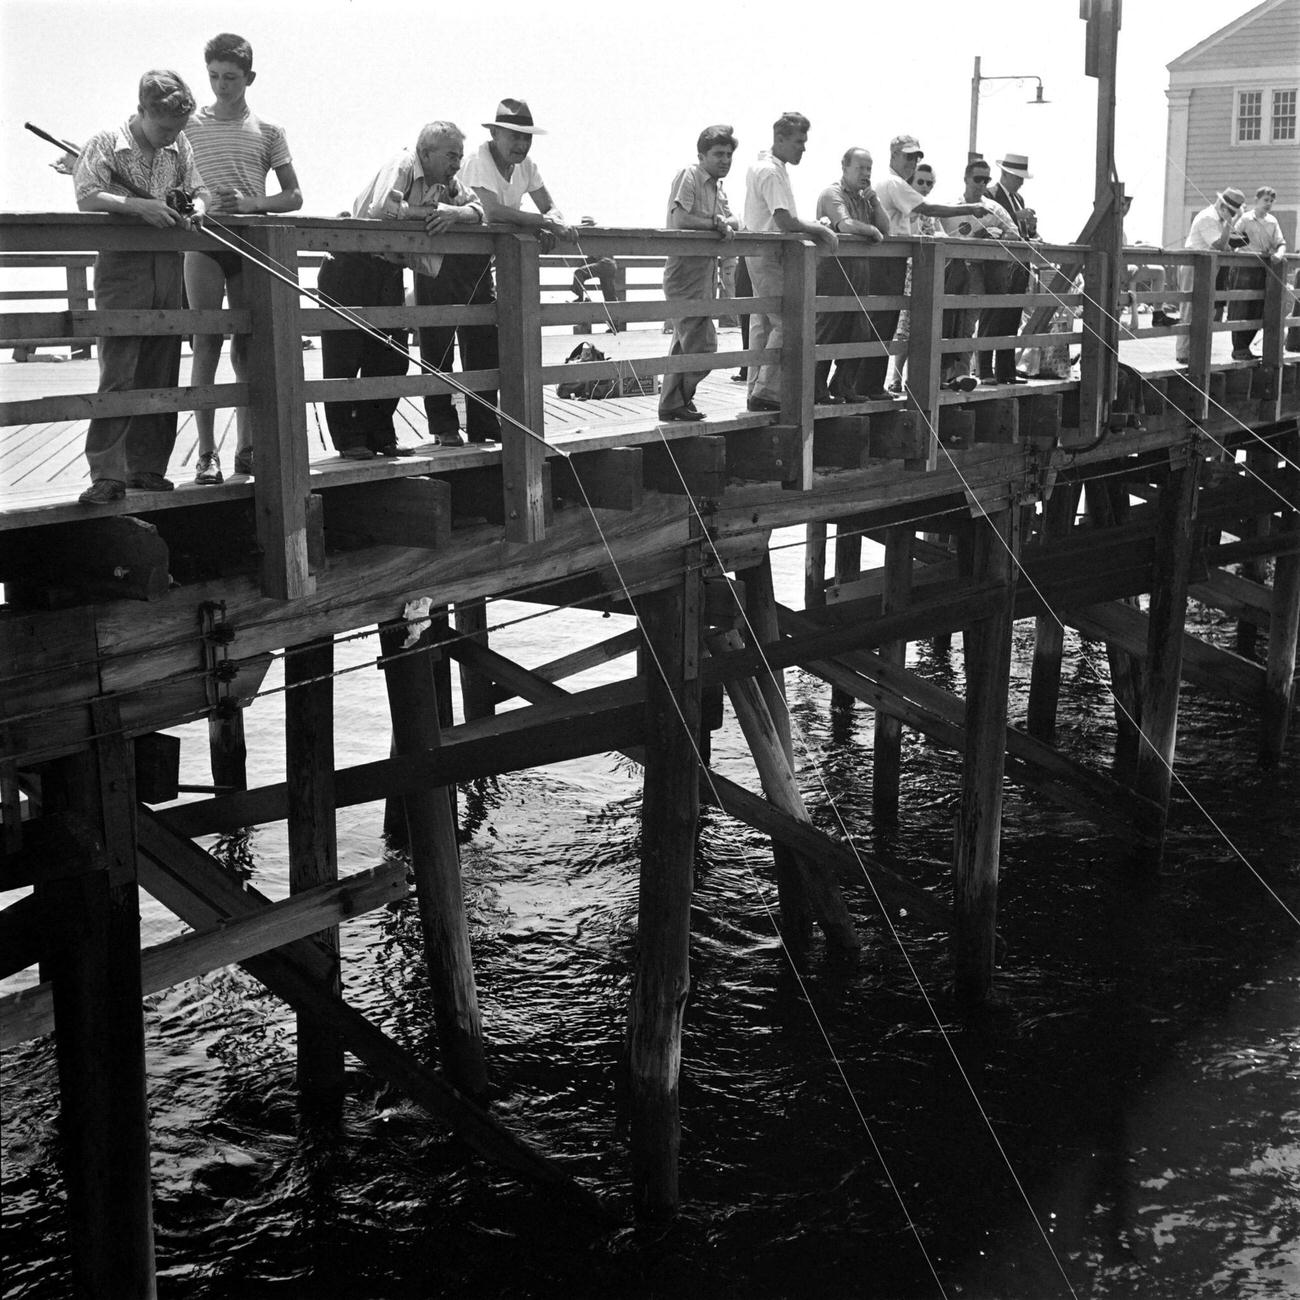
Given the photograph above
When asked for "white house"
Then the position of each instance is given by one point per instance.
(1233, 118)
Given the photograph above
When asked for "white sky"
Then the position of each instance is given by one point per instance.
(623, 89)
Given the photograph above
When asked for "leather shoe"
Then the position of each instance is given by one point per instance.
(683, 414)
(882, 395)
(357, 453)
(151, 482)
(102, 491)
(392, 449)
(827, 398)
(762, 404)
(1163, 319)
(849, 398)
(961, 384)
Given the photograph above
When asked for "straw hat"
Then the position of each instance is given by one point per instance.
(515, 115)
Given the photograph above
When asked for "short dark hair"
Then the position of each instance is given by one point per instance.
(1266, 192)
(977, 162)
(719, 133)
(164, 94)
(790, 124)
(925, 167)
(229, 48)
(850, 151)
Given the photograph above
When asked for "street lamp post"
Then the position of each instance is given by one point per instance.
(976, 78)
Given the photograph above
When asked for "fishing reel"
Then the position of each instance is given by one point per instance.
(181, 201)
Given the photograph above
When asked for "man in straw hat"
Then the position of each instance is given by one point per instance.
(1007, 277)
(1211, 229)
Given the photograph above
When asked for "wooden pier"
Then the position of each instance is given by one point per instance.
(1101, 502)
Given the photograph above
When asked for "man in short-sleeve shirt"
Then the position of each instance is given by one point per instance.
(696, 201)
(770, 206)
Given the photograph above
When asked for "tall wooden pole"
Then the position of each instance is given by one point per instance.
(887, 764)
(848, 565)
(99, 1031)
(978, 837)
(476, 691)
(313, 851)
(227, 748)
(435, 862)
(1162, 672)
(1049, 634)
(670, 623)
(1284, 625)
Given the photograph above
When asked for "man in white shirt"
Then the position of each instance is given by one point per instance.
(1264, 238)
(904, 206)
(769, 206)
(1211, 229)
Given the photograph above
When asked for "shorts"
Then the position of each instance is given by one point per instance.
(230, 262)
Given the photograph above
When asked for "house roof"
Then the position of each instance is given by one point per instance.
(1195, 54)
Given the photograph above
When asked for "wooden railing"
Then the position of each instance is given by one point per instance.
(277, 394)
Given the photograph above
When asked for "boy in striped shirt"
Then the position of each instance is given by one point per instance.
(235, 151)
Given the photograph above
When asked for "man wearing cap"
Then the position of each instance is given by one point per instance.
(1007, 277)
(769, 205)
(1211, 229)
(903, 206)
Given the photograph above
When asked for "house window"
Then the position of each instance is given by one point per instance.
(1250, 115)
(1284, 115)
(1266, 115)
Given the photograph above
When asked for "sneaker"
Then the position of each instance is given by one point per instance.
(244, 461)
(151, 482)
(102, 491)
(208, 468)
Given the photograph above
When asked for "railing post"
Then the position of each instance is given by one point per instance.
(925, 343)
(798, 345)
(78, 301)
(1275, 301)
(1205, 269)
(519, 300)
(277, 413)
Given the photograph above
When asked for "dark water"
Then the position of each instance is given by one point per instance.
(1124, 1123)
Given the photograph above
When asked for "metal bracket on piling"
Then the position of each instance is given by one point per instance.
(220, 669)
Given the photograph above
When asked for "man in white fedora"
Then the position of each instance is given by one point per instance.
(1007, 277)
(501, 173)
(1211, 229)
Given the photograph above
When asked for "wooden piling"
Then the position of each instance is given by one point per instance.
(887, 762)
(476, 691)
(814, 565)
(1049, 633)
(978, 833)
(1260, 461)
(226, 746)
(1162, 671)
(848, 565)
(435, 861)
(1284, 625)
(670, 812)
(99, 1023)
(313, 852)
(1108, 507)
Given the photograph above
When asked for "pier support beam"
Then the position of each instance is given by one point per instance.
(476, 691)
(1049, 633)
(313, 853)
(670, 622)
(435, 861)
(978, 835)
(1284, 625)
(226, 746)
(1108, 507)
(1167, 617)
(887, 764)
(99, 1030)
(848, 565)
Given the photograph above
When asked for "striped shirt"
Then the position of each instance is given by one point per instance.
(116, 150)
(239, 152)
